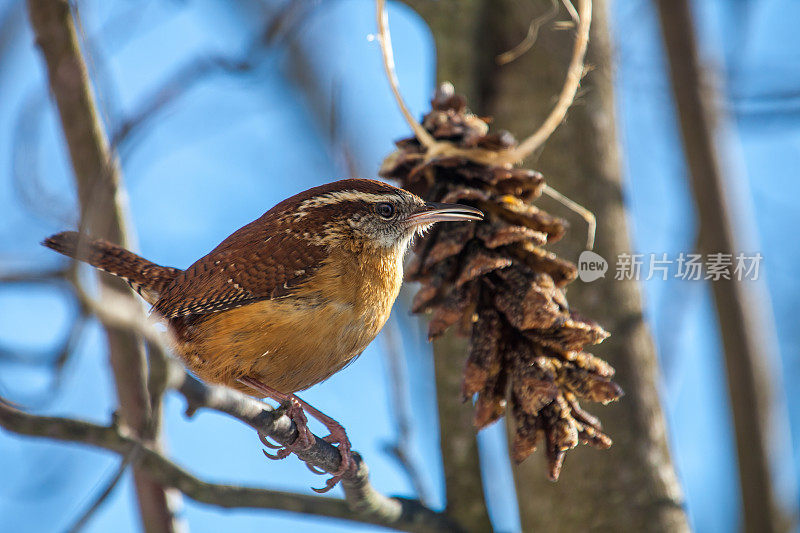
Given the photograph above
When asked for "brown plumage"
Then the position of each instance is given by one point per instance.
(146, 278)
(289, 299)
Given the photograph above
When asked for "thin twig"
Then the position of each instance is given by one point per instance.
(385, 41)
(58, 363)
(27, 174)
(398, 382)
(530, 38)
(41, 276)
(128, 458)
(588, 216)
(571, 10)
(528, 146)
(342, 151)
(119, 310)
(434, 148)
(567, 95)
(176, 85)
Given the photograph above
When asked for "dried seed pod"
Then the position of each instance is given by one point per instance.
(449, 243)
(586, 384)
(496, 283)
(527, 434)
(491, 402)
(570, 336)
(485, 358)
(479, 263)
(527, 299)
(449, 311)
(499, 233)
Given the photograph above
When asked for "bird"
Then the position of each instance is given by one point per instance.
(287, 300)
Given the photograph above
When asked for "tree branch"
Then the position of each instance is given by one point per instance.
(57, 275)
(362, 502)
(108, 489)
(98, 180)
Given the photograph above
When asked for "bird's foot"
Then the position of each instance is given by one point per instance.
(296, 409)
(304, 440)
(337, 436)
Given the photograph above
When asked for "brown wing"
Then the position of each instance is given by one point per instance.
(258, 262)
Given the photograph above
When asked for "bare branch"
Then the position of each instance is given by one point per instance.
(567, 96)
(362, 504)
(55, 275)
(98, 181)
(108, 488)
(176, 86)
(398, 380)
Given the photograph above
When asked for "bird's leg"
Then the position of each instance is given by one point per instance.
(296, 406)
(294, 410)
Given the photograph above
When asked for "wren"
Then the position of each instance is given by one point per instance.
(288, 300)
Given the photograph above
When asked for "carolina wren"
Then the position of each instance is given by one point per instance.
(289, 299)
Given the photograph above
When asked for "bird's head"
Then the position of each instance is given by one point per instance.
(367, 214)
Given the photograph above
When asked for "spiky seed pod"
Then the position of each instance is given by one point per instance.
(496, 283)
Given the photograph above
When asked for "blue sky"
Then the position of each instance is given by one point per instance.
(233, 146)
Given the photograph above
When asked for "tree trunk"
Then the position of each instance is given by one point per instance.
(740, 313)
(632, 486)
(462, 469)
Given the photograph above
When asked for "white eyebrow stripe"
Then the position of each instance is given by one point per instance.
(344, 196)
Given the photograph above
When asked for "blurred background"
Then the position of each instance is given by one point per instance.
(219, 110)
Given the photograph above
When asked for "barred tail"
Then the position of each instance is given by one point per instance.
(146, 278)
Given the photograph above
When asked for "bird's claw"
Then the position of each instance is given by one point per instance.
(315, 470)
(283, 453)
(329, 484)
(338, 436)
(304, 440)
(265, 441)
(293, 408)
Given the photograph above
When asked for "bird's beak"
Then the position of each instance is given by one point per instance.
(435, 212)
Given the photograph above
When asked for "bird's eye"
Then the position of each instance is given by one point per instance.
(385, 209)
